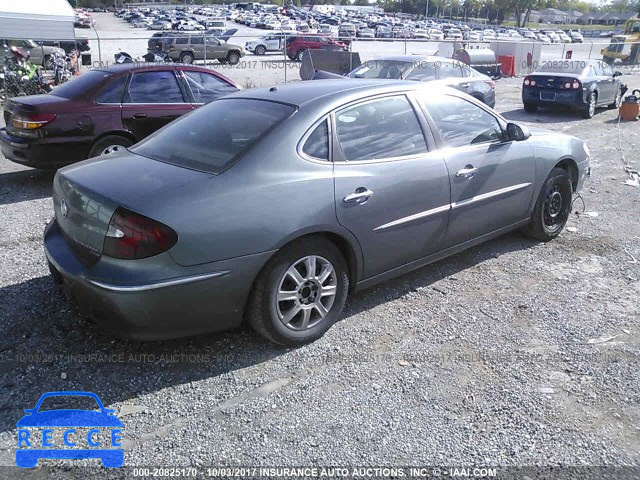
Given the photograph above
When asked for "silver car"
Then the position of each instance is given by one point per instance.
(270, 205)
(423, 68)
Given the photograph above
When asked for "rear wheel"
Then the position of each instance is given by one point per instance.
(300, 293)
(260, 50)
(300, 55)
(552, 208)
(531, 107)
(108, 145)
(187, 58)
(589, 110)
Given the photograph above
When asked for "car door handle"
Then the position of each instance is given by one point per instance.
(140, 115)
(360, 195)
(467, 172)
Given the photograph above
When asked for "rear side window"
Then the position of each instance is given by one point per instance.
(79, 85)
(317, 144)
(384, 128)
(206, 87)
(197, 41)
(113, 91)
(182, 41)
(213, 136)
(154, 87)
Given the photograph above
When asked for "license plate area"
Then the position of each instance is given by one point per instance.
(548, 96)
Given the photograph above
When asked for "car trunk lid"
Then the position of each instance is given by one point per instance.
(86, 195)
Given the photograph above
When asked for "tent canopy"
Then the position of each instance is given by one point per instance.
(37, 19)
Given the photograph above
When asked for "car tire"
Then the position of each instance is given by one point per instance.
(552, 208)
(109, 144)
(268, 315)
(617, 101)
(233, 58)
(186, 57)
(531, 107)
(300, 55)
(589, 110)
(260, 50)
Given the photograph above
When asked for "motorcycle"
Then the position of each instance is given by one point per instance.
(20, 77)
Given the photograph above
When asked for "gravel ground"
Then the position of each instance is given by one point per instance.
(513, 353)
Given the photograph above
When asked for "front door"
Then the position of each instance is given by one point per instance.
(390, 191)
(492, 180)
(152, 99)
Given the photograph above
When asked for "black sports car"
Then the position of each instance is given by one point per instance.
(580, 84)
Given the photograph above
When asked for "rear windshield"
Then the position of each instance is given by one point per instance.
(562, 66)
(213, 136)
(79, 85)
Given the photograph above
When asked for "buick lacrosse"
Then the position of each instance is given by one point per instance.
(270, 205)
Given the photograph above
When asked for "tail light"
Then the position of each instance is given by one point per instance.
(567, 85)
(529, 82)
(575, 84)
(132, 236)
(491, 84)
(32, 121)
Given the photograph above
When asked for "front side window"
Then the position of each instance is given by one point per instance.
(317, 144)
(213, 136)
(462, 123)
(154, 87)
(207, 87)
(449, 70)
(380, 129)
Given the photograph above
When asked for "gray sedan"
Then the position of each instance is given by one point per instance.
(429, 69)
(270, 205)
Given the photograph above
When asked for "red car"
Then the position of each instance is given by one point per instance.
(103, 110)
(298, 44)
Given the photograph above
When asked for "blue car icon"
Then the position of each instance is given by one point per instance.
(69, 419)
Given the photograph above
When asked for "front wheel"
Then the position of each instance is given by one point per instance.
(260, 50)
(300, 293)
(552, 208)
(300, 55)
(616, 101)
(233, 58)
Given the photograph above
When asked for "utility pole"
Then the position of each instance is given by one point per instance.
(426, 11)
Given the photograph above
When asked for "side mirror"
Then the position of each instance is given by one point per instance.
(617, 74)
(517, 133)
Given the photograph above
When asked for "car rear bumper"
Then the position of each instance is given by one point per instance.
(34, 153)
(187, 301)
(572, 98)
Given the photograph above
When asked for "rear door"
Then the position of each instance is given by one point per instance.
(491, 180)
(197, 46)
(152, 99)
(391, 189)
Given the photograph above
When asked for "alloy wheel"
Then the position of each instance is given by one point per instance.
(592, 105)
(306, 292)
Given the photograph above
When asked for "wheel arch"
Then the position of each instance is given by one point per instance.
(571, 167)
(342, 239)
(117, 133)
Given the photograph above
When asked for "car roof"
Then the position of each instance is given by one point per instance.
(319, 92)
(413, 58)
